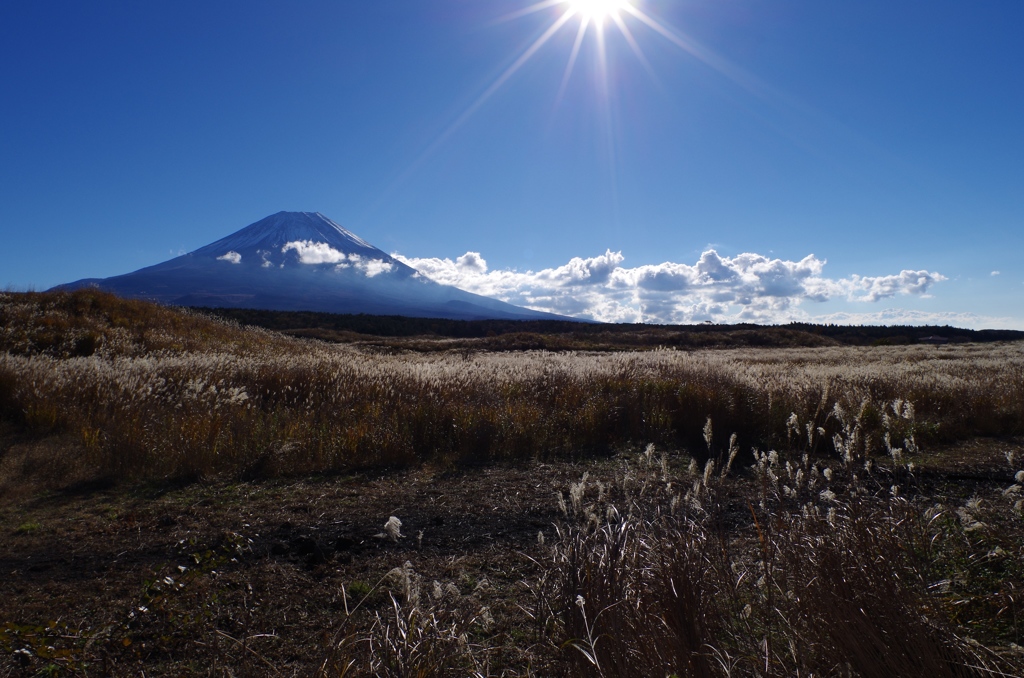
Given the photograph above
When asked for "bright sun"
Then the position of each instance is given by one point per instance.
(598, 10)
(582, 17)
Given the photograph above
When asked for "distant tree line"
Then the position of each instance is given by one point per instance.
(333, 326)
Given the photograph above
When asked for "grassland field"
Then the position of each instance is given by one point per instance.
(181, 494)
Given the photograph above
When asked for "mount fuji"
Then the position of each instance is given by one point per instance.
(303, 261)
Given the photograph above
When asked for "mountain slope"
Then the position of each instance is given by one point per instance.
(302, 261)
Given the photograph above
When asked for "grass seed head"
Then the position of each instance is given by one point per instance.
(709, 468)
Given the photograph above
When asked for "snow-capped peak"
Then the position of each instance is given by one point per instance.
(276, 231)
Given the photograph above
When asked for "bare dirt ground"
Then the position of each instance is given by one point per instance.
(263, 578)
(190, 579)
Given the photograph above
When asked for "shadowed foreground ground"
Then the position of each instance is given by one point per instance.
(264, 578)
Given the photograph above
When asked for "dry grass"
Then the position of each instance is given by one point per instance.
(822, 576)
(164, 393)
(840, 551)
(652, 568)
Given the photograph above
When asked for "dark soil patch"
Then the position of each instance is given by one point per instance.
(255, 578)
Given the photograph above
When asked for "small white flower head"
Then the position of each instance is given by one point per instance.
(773, 458)
(747, 609)
(540, 537)
(393, 528)
(867, 465)
(1019, 477)
(827, 495)
(692, 468)
(895, 490)
(827, 472)
(580, 602)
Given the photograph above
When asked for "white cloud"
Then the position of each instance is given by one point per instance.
(881, 287)
(899, 316)
(314, 252)
(371, 267)
(748, 287)
(471, 262)
(995, 273)
(232, 256)
(321, 253)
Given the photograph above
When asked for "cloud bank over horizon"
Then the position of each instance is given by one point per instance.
(745, 288)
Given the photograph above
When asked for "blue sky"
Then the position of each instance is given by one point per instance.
(883, 138)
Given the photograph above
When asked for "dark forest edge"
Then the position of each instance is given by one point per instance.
(555, 335)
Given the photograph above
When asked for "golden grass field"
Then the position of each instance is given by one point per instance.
(182, 494)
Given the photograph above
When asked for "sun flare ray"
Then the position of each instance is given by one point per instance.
(598, 10)
(703, 54)
(573, 55)
(493, 87)
(531, 9)
(593, 17)
(634, 45)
